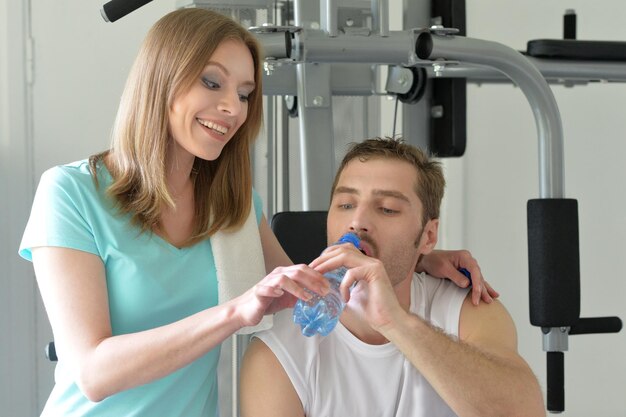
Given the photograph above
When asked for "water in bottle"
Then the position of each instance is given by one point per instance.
(321, 314)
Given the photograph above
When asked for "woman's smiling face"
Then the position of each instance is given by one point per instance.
(203, 119)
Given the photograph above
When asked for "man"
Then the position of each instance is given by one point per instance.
(407, 344)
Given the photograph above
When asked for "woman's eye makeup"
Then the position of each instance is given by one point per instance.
(213, 82)
(210, 82)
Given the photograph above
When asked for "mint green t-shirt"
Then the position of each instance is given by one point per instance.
(150, 283)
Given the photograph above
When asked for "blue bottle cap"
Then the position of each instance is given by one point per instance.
(350, 238)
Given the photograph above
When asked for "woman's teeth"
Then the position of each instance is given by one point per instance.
(213, 126)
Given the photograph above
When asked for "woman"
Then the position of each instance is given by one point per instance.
(134, 249)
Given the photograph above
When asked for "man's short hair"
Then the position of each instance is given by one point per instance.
(430, 182)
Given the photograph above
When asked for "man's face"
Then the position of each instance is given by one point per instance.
(376, 199)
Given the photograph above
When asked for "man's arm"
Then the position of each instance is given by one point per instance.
(265, 388)
(480, 375)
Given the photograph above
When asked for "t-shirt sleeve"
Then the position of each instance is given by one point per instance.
(294, 351)
(57, 216)
(447, 300)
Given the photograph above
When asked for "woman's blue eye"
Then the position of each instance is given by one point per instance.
(243, 97)
(210, 84)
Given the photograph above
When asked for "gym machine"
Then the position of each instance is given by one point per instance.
(315, 50)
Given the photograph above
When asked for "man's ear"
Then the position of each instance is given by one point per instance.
(429, 236)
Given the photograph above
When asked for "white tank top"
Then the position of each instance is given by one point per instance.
(339, 375)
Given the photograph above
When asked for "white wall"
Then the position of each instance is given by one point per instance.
(80, 66)
(18, 357)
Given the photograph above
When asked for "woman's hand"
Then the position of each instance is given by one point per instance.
(280, 289)
(446, 264)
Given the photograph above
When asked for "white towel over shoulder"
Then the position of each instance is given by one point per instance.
(240, 265)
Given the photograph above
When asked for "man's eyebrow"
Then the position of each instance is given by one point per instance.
(225, 71)
(377, 192)
(346, 190)
(392, 194)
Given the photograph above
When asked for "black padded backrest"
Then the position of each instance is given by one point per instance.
(574, 49)
(301, 233)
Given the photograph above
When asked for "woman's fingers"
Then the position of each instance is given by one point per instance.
(490, 291)
(268, 291)
(296, 279)
(457, 277)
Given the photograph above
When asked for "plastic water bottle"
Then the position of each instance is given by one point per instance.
(321, 314)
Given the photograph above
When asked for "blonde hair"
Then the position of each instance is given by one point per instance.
(430, 182)
(172, 57)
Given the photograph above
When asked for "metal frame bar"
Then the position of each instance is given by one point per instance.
(554, 71)
(531, 82)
